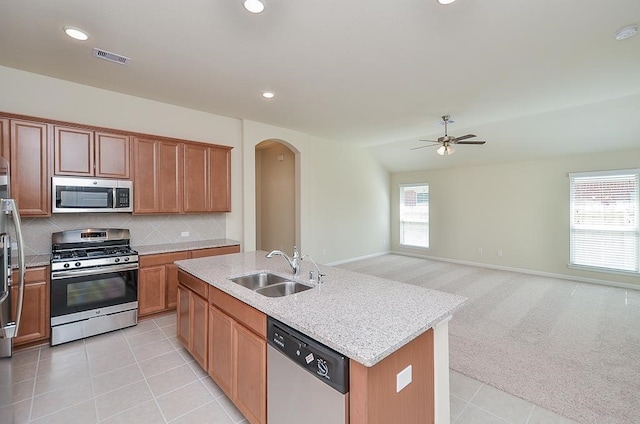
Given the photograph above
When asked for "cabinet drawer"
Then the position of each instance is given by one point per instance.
(36, 274)
(214, 251)
(243, 313)
(162, 258)
(197, 286)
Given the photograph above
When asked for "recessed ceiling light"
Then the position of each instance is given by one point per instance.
(253, 6)
(446, 1)
(268, 95)
(626, 32)
(76, 33)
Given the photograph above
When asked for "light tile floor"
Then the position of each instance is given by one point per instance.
(142, 375)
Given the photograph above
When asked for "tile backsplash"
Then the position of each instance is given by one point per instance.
(145, 230)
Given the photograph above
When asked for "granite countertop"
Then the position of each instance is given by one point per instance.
(32, 261)
(363, 317)
(189, 245)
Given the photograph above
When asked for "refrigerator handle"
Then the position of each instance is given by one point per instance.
(11, 205)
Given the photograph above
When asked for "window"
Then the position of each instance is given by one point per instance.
(414, 215)
(604, 220)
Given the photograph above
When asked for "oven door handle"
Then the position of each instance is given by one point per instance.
(58, 275)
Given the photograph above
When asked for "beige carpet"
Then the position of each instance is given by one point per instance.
(570, 347)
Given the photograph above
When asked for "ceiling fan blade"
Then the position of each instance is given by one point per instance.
(464, 137)
(422, 147)
(430, 141)
(471, 142)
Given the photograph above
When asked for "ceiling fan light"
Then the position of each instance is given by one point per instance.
(441, 150)
(446, 1)
(450, 150)
(253, 6)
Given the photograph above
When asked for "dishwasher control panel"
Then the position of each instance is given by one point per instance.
(323, 362)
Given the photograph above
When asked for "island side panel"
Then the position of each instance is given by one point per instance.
(373, 396)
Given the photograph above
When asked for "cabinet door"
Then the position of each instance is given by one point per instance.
(221, 349)
(5, 144)
(145, 169)
(182, 328)
(34, 325)
(73, 152)
(170, 177)
(196, 182)
(112, 155)
(219, 179)
(198, 324)
(151, 290)
(157, 176)
(171, 272)
(30, 153)
(250, 374)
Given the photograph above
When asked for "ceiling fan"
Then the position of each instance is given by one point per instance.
(446, 142)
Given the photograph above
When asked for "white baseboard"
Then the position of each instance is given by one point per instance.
(523, 271)
(346, 261)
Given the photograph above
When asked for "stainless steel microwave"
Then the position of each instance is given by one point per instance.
(91, 195)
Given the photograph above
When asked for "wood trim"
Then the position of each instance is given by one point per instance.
(162, 258)
(373, 397)
(103, 129)
(194, 284)
(214, 251)
(248, 316)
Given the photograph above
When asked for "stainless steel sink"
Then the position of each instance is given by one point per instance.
(259, 280)
(270, 285)
(283, 289)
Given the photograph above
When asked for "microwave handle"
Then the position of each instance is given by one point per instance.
(114, 197)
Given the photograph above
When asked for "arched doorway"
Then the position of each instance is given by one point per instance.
(275, 196)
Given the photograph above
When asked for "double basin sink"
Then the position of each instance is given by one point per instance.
(270, 285)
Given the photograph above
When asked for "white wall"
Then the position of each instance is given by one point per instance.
(39, 96)
(520, 208)
(275, 197)
(343, 193)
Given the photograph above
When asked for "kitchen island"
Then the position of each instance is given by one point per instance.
(383, 326)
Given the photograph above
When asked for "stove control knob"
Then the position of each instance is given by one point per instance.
(126, 259)
(117, 260)
(66, 265)
(77, 263)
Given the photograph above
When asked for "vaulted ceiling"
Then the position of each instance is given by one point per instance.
(533, 78)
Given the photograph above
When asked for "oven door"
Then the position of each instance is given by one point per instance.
(75, 292)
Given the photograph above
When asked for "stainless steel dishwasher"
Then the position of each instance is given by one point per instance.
(307, 382)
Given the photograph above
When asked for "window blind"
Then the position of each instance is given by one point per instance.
(604, 220)
(414, 215)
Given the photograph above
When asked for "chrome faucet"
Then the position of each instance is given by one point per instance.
(294, 262)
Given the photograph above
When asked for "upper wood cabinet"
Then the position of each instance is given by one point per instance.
(207, 178)
(84, 153)
(28, 152)
(157, 176)
(180, 177)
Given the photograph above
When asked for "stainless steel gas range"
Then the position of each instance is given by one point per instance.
(94, 283)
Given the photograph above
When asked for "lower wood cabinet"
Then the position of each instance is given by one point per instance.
(228, 339)
(192, 324)
(158, 282)
(34, 325)
(158, 277)
(237, 355)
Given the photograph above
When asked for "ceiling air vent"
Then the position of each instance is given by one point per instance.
(111, 57)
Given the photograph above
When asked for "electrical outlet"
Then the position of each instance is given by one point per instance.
(480, 251)
(403, 378)
(324, 251)
(499, 253)
(184, 234)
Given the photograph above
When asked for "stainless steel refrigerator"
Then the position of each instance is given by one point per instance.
(9, 213)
